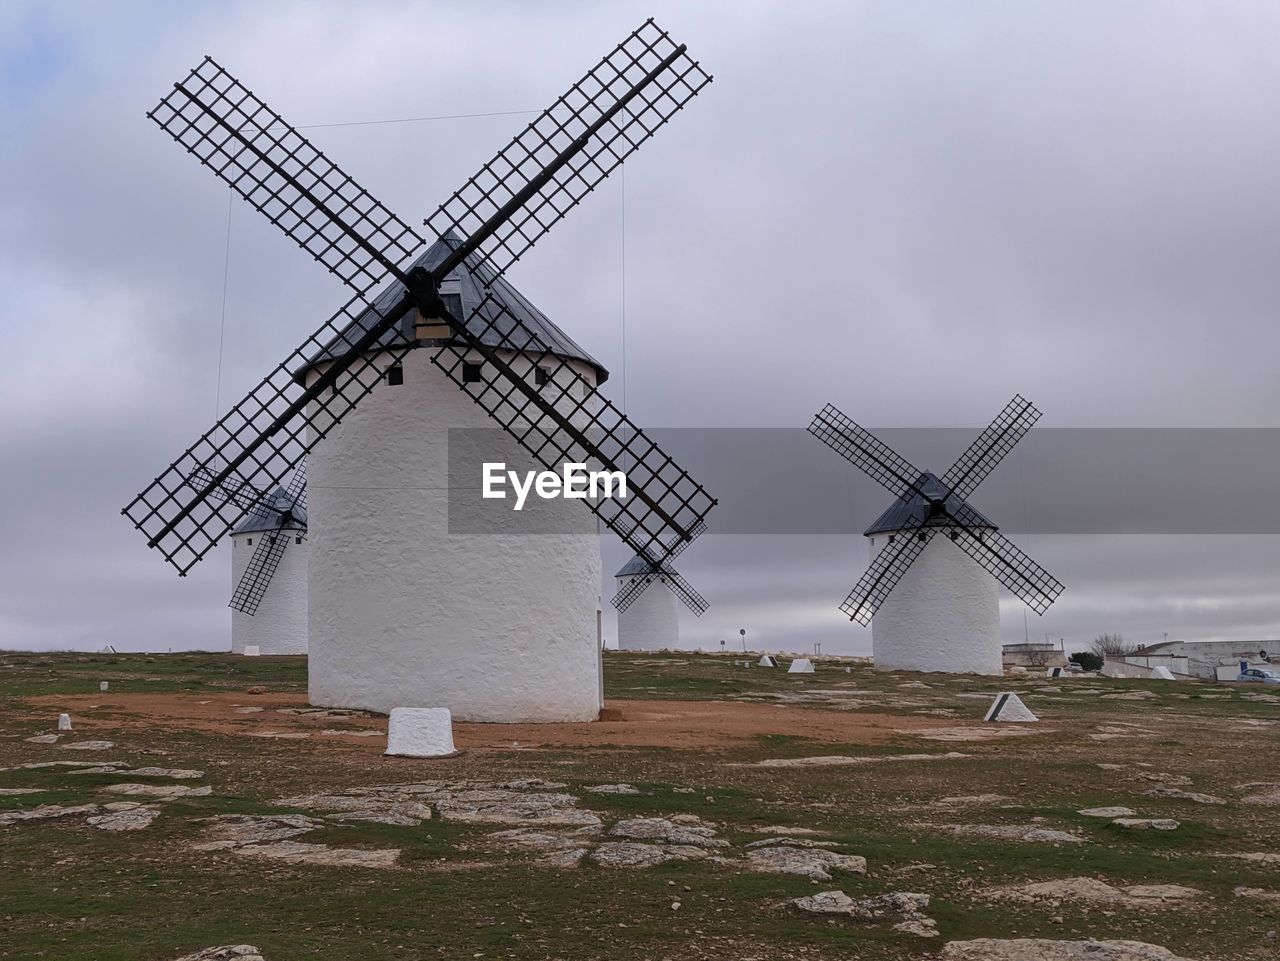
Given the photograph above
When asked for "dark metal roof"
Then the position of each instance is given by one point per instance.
(475, 279)
(283, 514)
(914, 505)
(640, 565)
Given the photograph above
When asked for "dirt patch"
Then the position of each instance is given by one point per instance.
(688, 725)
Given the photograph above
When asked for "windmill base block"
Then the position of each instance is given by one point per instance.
(1008, 707)
(252, 650)
(420, 732)
(801, 665)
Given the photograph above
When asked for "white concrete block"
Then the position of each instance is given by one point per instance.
(64, 722)
(103, 685)
(766, 661)
(801, 665)
(1053, 672)
(252, 650)
(1009, 707)
(1162, 673)
(420, 732)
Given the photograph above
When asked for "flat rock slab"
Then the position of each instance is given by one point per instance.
(1174, 792)
(634, 854)
(693, 833)
(124, 816)
(611, 789)
(229, 830)
(176, 773)
(1034, 949)
(158, 790)
(226, 952)
(43, 739)
(905, 909)
(973, 733)
(1147, 824)
(1011, 832)
(1257, 857)
(379, 809)
(15, 791)
(837, 760)
(45, 812)
(813, 863)
(1096, 891)
(1257, 894)
(298, 852)
(1108, 812)
(90, 746)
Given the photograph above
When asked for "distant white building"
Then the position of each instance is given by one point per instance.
(269, 579)
(651, 621)
(1203, 658)
(944, 613)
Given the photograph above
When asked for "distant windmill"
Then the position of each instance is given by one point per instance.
(269, 570)
(403, 610)
(944, 614)
(649, 620)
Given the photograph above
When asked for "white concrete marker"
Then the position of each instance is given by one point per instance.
(801, 665)
(252, 650)
(64, 722)
(1162, 673)
(1053, 672)
(420, 732)
(766, 661)
(1009, 707)
(103, 685)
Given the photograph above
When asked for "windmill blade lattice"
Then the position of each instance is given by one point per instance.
(1008, 564)
(1001, 436)
(886, 569)
(503, 210)
(253, 583)
(864, 450)
(682, 589)
(605, 117)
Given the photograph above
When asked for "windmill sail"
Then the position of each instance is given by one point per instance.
(499, 213)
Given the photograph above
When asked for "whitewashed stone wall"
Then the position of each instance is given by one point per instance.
(403, 613)
(280, 624)
(943, 615)
(651, 622)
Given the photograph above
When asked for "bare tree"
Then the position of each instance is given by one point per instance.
(1112, 645)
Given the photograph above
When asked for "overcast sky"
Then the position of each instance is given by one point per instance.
(911, 210)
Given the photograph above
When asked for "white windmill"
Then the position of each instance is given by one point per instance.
(403, 610)
(649, 619)
(269, 570)
(943, 613)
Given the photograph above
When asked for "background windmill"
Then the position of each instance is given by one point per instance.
(648, 598)
(269, 571)
(944, 613)
(403, 612)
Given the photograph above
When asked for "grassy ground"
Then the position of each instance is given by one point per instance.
(71, 893)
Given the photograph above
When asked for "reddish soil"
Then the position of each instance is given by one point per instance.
(676, 724)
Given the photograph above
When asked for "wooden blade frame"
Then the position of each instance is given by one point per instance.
(525, 190)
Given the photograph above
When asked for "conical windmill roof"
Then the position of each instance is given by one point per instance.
(273, 518)
(475, 279)
(912, 507)
(640, 565)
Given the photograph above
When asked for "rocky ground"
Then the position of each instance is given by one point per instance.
(199, 809)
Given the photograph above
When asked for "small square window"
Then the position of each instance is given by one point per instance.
(297, 540)
(395, 375)
(249, 542)
(470, 373)
(892, 538)
(540, 376)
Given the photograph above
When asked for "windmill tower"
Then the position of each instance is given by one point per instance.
(649, 620)
(934, 609)
(404, 611)
(269, 570)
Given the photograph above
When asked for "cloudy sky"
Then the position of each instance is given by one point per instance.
(912, 210)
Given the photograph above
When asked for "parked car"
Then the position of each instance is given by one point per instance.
(1256, 675)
